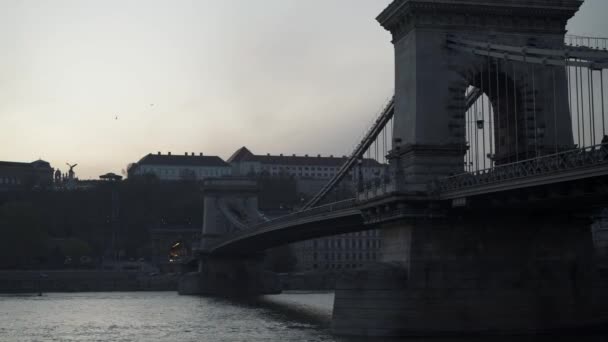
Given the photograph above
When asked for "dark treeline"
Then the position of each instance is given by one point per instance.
(45, 228)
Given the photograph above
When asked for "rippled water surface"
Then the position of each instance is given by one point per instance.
(165, 316)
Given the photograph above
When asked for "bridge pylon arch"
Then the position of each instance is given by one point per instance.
(430, 121)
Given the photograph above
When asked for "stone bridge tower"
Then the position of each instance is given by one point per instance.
(479, 270)
(230, 205)
(430, 79)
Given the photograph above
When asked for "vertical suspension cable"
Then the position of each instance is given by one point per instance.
(498, 131)
(592, 104)
(508, 114)
(578, 119)
(525, 110)
(536, 152)
(483, 119)
(476, 138)
(467, 138)
(461, 131)
(569, 80)
(470, 138)
(584, 143)
(554, 112)
(376, 147)
(568, 71)
(366, 170)
(516, 114)
(490, 113)
(384, 152)
(603, 115)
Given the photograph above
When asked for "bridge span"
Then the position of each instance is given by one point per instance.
(495, 155)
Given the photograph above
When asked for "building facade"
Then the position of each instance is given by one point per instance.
(168, 167)
(346, 251)
(311, 173)
(15, 175)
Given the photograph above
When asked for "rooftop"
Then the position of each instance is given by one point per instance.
(183, 160)
(243, 154)
(37, 163)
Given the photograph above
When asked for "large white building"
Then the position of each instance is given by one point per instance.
(180, 167)
(346, 251)
(311, 172)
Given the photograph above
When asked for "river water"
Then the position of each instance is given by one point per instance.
(165, 316)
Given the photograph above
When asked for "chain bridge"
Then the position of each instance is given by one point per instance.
(495, 150)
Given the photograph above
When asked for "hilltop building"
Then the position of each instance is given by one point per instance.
(311, 173)
(15, 175)
(170, 167)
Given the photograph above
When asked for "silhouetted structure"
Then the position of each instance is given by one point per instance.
(175, 167)
(15, 175)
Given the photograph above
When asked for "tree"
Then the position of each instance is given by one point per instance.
(23, 240)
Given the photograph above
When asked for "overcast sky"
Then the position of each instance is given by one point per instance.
(102, 83)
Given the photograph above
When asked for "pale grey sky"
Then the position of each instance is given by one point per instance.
(279, 76)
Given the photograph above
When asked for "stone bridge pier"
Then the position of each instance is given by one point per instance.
(230, 205)
(498, 273)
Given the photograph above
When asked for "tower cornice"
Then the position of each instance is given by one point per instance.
(514, 15)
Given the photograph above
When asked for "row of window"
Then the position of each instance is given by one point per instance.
(301, 169)
(178, 171)
(347, 243)
(338, 266)
(347, 256)
(306, 174)
(367, 233)
(10, 180)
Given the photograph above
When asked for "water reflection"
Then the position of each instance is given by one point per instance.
(169, 317)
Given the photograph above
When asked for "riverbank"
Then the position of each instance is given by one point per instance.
(84, 281)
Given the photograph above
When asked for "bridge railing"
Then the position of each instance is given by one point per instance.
(544, 165)
(595, 43)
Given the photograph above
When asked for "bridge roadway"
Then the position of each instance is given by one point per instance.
(539, 176)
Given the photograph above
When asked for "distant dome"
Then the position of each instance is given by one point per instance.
(40, 163)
